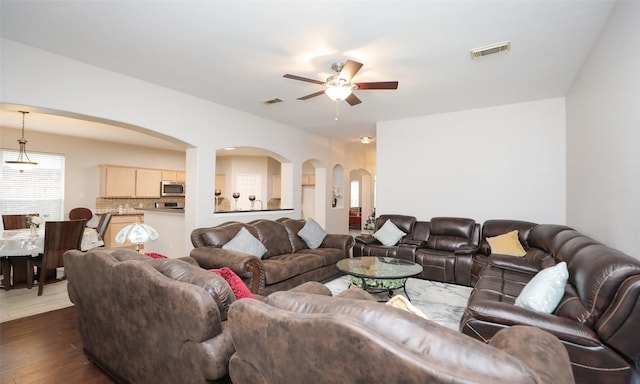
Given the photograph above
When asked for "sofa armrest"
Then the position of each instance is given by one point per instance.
(415, 243)
(344, 242)
(366, 239)
(515, 263)
(248, 267)
(528, 344)
(507, 314)
(466, 250)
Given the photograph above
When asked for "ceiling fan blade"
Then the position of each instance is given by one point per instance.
(296, 77)
(311, 95)
(352, 100)
(350, 69)
(378, 85)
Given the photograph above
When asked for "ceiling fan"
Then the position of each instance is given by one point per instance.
(340, 86)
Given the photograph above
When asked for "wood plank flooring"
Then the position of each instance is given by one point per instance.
(46, 348)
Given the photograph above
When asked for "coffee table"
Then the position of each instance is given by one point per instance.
(379, 274)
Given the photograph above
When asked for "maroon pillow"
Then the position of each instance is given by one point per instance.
(155, 255)
(237, 285)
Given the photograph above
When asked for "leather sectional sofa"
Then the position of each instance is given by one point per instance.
(358, 341)
(287, 263)
(598, 319)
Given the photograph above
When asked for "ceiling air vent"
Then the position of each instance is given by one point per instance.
(275, 100)
(490, 49)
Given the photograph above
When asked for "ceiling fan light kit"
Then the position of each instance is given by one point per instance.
(340, 87)
(366, 139)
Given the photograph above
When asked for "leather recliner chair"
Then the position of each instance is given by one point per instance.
(367, 245)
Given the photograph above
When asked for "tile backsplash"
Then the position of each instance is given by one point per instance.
(129, 205)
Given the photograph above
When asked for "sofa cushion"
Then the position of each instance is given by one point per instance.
(240, 290)
(545, 290)
(389, 234)
(244, 242)
(312, 233)
(274, 236)
(506, 244)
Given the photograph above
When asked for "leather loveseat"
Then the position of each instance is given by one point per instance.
(287, 263)
(443, 246)
(145, 320)
(295, 337)
(597, 319)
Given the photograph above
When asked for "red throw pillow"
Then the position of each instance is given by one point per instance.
(155, 255)
(237, 285)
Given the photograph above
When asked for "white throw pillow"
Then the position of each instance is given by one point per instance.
(389, 234)
(245, 242)
(545, 290)
(312, 233)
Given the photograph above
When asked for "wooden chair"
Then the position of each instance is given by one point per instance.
(105, 219)
(16, 221)
(80, 213)
(59, 237)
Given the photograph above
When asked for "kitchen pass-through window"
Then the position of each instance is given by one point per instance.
(39, 190)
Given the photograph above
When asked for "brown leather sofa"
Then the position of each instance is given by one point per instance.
(443, 246)
(146, 320)
(295, 337)
(288, 262)
(598, 319)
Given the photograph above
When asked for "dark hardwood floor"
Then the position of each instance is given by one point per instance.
(46, 348)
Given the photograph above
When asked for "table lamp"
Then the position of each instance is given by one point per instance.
(137, 234)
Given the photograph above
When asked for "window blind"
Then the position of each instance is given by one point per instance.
(40, 190)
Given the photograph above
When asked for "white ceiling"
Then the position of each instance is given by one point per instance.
(235, 52)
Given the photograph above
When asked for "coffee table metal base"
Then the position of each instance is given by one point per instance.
(380, 285)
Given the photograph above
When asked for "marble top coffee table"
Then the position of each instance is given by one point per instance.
(379, 274)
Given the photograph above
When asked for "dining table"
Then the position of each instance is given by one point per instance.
(18, 245)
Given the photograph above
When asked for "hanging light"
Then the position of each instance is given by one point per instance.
(23, 163)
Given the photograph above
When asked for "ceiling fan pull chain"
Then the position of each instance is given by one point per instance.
(337, 112)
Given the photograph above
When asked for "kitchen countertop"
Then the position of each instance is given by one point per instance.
(168, 210)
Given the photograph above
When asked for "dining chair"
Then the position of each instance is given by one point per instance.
(59, 237)
(16, 221)
(105, 219)
(80, 213)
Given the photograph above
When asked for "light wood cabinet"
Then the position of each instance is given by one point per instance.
(117, 181)
(116, 224)
(308, 179)
(148, 182)
(177, 176)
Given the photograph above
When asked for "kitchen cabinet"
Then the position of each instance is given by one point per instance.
(117, 181)
(148, 182)
(308, 179)
(117, 223)
(177, 176)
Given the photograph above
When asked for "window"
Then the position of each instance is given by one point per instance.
(355, 193)
(40, 190)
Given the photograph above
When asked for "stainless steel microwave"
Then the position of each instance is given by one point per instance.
(171, 188)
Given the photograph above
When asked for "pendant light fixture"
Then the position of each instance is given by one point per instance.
(23, 163)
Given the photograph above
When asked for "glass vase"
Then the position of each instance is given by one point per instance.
(34, 230)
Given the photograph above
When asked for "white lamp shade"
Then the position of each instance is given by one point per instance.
(338, 92)
(136, 233)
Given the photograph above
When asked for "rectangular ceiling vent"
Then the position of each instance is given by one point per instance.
(490, 49)
(275, 100)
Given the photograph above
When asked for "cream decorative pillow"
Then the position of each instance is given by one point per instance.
(245, 242)
(401, 302)
(506, 244)
(545, 290)
(389, 234)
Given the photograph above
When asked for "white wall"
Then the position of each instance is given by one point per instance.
(37, 78)
(500, 162)
(83, 157)
(603, 136)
